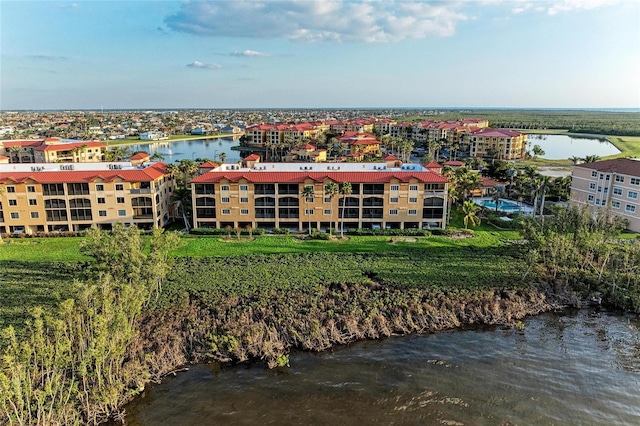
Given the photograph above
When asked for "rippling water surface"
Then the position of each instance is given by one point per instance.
(573, 369)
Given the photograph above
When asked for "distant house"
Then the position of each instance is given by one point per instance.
(152, 136)
(361, 143)
(198, 131)
(307, 152)
(231, 129)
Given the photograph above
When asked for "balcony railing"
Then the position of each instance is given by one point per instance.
(141, 191)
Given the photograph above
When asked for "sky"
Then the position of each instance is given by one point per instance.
(319, 54)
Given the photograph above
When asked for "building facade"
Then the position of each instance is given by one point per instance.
(614, 184)
(269, 195)
(53, 150)
(503, 144)
(49, 197)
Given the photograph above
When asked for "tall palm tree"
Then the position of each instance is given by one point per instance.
(330, 191)
(470, 211)
(307, 195)
(223, 156)
(345, 191)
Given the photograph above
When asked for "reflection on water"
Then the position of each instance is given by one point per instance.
(580, 368)
(561, 147)
(192, 149)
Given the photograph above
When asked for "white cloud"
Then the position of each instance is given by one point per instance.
(569, 5)
(202, 65)
(333, 20)
(248, 54)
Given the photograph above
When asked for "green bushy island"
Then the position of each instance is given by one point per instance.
(116, 312)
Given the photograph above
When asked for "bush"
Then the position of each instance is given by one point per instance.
(391, 232)
(280, 231)
(221, 231)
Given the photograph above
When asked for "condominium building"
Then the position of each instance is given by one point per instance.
(503, 144)
(47, 197)
(609, 183)
(53, 150)
(269, 195)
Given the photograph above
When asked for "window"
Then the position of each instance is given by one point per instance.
(393, 199)
(393, 212)
(15, 215)
(244, 199)
(102, 213)
(413, 200)
(120, 200)
(633, 195)
(35, 215)
(606, 190)
(394, 187)
(597, 201)
(601, 176)
(224, 187)
(617, 191)
(33, 202)
(308, 211)
(327, 212)
(225, 199)
(244, 211)
(13, 202)
(592, 185)
(31, 188)
(101, 200)
(590, 197)
(594, 174)
(11, 189)
(122, 212)
(53, 189)
(99, 187)
(599, 189)
(629, 208)
(226, 211)
(635, 181)
(78, 188)
(619, 178)
(327, 199)
(615, 204)
(413, 187)
(607, 177)
(244, 187)
(413, 212)
(119, 187)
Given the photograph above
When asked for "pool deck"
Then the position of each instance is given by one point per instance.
(523, 208)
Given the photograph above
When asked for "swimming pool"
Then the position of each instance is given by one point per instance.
(503, 205)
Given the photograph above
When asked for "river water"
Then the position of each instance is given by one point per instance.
(561, 147)
(579, 368)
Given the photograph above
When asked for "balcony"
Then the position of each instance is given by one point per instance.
(140, 191)
(143, 216)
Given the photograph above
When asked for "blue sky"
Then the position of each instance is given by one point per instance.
(272, 54)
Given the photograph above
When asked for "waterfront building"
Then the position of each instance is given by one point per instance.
(268, 195)
(503, 144)
(53, 150)
(614, 184)
(49, 197)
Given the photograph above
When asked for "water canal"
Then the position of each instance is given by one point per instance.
(563, 369)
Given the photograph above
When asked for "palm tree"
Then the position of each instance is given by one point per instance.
(345, 191)
(470, 210)
(223, 156)
(591, 158)
(307, 194)
(453, 198)
(330, 191)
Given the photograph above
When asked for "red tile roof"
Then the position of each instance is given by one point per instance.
(139, 156)
(390, 157)
(148, 174)
(497, 133)
(432, 165)
(252, 157)
(63, 146)
(299, 177)
(209, 165)
(622, 166)
(454, 163)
